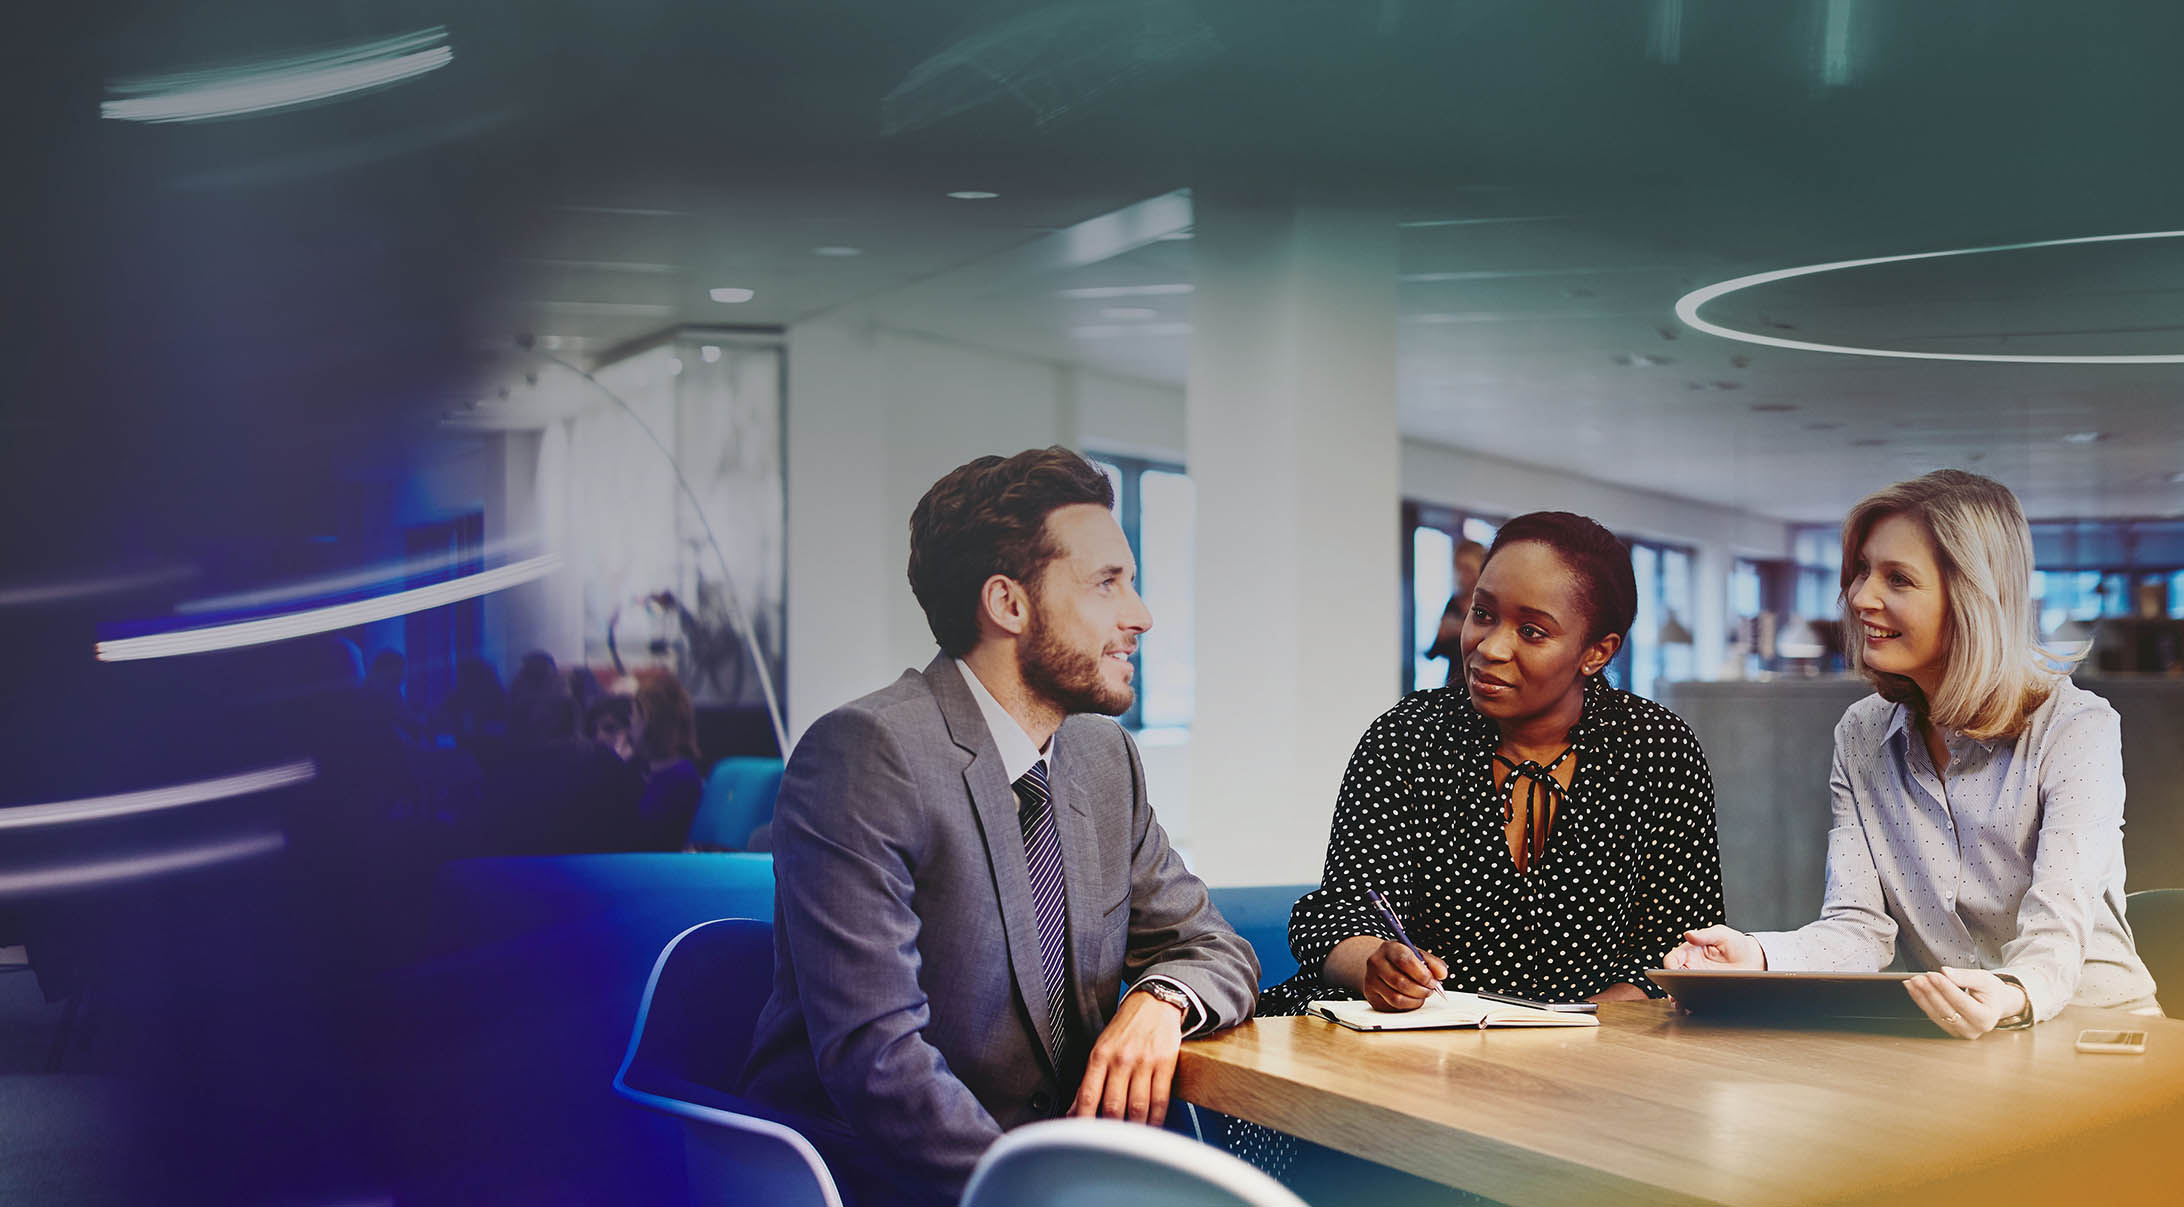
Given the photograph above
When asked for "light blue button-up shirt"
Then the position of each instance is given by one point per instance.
(2010, 859)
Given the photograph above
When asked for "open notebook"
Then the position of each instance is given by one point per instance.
(1460, 1010)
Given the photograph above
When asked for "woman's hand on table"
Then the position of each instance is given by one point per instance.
(1965, 1002)
(1395, 980)
(1716, 947)
(1621, 991)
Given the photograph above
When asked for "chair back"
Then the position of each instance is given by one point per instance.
(738, 799)
(1088, 1162)
(1260, 913)
(2156, 916)
(692, 1035)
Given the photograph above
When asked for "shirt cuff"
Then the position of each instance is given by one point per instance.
(1195, 1018)
(2040, 993)
(1782, 952)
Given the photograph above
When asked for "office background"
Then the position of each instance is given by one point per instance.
(698, 299)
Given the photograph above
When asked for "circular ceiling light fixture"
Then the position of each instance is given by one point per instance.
(729, 295)
(973, 195)
(1687, 307)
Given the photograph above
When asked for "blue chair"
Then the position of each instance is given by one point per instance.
(2156, 916)
(1072, 1162)
(738, 799)
(693, 1032)
(1260, 913)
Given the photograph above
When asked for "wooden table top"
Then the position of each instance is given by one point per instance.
(1656, 1106)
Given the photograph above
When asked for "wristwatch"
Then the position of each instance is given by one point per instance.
(1163, 991)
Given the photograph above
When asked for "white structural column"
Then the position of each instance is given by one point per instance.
(843, 570)
(1294, 451)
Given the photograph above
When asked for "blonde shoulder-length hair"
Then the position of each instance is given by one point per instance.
(1994, 672)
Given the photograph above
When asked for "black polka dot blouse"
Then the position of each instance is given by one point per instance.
(1631, 861)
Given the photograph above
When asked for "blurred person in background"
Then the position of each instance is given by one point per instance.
(667, 744)
(552, 791)
(611, 722)
(474, 715)
(1469, 558)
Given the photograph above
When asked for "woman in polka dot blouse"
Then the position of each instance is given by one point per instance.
(1538, 831)
(1978, 796)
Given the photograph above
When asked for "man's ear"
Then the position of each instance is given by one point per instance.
(1599, 655)
(1004, 604)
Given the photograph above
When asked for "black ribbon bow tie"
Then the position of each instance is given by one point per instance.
(1542, 795)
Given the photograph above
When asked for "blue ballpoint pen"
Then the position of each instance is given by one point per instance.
(1381, 903)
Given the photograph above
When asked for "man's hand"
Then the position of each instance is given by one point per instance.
(1132, 1063)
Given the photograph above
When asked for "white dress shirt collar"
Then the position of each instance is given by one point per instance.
(1018, 752)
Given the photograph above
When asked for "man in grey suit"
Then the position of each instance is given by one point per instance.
(967, 869)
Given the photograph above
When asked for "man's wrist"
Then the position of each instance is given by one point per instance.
(1169, 994)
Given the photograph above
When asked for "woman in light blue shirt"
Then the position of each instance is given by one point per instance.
(1978, 795)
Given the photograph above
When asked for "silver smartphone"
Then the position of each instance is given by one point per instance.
(1561, 1007)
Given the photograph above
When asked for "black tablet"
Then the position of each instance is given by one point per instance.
(1791, 996)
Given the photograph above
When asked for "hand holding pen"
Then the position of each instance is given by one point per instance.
(1399, 976)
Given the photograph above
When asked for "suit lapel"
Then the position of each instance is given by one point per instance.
(993, 802)
(1082, 873)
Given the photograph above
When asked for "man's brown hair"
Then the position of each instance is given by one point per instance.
(985, 518)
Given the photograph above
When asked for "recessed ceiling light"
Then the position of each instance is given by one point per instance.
(731, 295)
(837, 251)
(2084, 437)
(674, 366)
(1118, 331)
(1098, 292)
(711, 353)
(973, 195)
(1128, 314)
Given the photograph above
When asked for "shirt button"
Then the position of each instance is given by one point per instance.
(1042, 1102)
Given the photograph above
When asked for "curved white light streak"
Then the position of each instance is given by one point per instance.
(99, 808)
(94, 873)
(115, 584)
(1687, 308)
(278, 84)
(325, 620)
(339, 583)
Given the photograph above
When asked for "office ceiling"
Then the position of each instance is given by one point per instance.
(1564, 172)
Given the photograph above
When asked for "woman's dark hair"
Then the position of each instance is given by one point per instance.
(1606, 587)
(988, 518)
(670, 721)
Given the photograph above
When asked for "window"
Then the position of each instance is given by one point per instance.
(1659, 648)
(1157, 506)
(2093, 569)
(1429, 570)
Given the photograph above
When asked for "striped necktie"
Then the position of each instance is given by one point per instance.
(1043, 856)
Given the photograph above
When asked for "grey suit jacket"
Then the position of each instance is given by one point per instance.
(907, 997)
